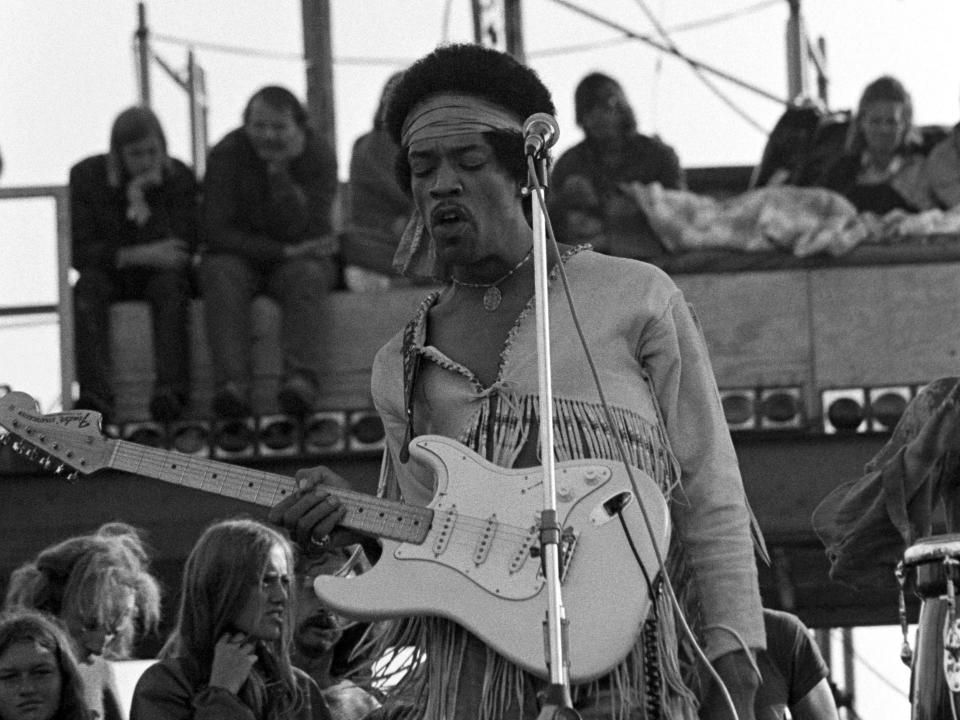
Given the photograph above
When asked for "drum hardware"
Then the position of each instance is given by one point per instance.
(933, 564)
(906, 652)
(951, 631)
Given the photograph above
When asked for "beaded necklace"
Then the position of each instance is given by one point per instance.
(492, 297)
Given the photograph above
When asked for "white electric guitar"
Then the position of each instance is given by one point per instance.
(471, 555)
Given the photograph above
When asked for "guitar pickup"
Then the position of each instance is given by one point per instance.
(527, 549)
(445, 529)
(486, 539)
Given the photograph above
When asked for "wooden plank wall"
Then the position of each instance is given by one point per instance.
(827, 328)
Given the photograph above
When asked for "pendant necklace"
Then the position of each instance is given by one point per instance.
(492, 297)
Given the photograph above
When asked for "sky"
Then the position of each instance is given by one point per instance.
(67, 69)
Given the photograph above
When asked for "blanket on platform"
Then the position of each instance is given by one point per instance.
(803, 221)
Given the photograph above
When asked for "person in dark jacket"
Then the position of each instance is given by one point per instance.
(134, 224)
(267, 200)
(590, 200)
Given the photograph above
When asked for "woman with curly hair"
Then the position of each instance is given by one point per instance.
(100, 588)
(229, 655)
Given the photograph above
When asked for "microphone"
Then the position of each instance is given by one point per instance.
(540, 132)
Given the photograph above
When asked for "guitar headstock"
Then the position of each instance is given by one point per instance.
(66, 440)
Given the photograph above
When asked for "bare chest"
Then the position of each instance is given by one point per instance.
(472, 336)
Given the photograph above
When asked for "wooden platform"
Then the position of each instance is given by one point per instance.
(812, 328)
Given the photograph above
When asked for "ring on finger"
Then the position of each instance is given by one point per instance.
(319, 545)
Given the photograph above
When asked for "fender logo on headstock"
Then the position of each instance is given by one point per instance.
(81, 419)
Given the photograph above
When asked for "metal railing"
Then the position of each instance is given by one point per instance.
(63, 307)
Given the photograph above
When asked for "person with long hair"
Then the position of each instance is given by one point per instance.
(134, 220)
(100, 588)
(881, 168)
(229, 654)
(39, 679)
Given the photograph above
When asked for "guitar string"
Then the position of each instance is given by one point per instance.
(235, 481)
(223, 478)
(264, 488)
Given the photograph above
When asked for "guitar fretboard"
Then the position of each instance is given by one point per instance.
(367, 513)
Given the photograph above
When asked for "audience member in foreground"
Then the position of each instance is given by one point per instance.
(99, 587)
(39, 679)
(324, 642)
(229, 654)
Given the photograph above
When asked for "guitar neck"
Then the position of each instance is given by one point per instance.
(366, 513)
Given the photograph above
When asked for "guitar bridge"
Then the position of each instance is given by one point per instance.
(568, 543)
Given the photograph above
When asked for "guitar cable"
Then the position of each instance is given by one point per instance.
(653, 679)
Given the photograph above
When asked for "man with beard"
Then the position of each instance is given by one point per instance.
(266, 223)
(324, 642)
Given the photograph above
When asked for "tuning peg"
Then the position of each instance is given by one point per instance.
(46, 462)
(73, 477)
(59, 469)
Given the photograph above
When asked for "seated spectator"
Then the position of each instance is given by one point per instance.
(881, 167)
(589, 203)
(99, 587)
(942, 170)
(134, 224)
(377, 207)
(795, 677)
(266, 219)
(323, 642)
(39, 679)
(229, 655)
(788, 145)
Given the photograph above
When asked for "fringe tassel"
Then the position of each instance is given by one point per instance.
(580, 431)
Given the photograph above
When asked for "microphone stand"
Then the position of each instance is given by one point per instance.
(557, 701)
